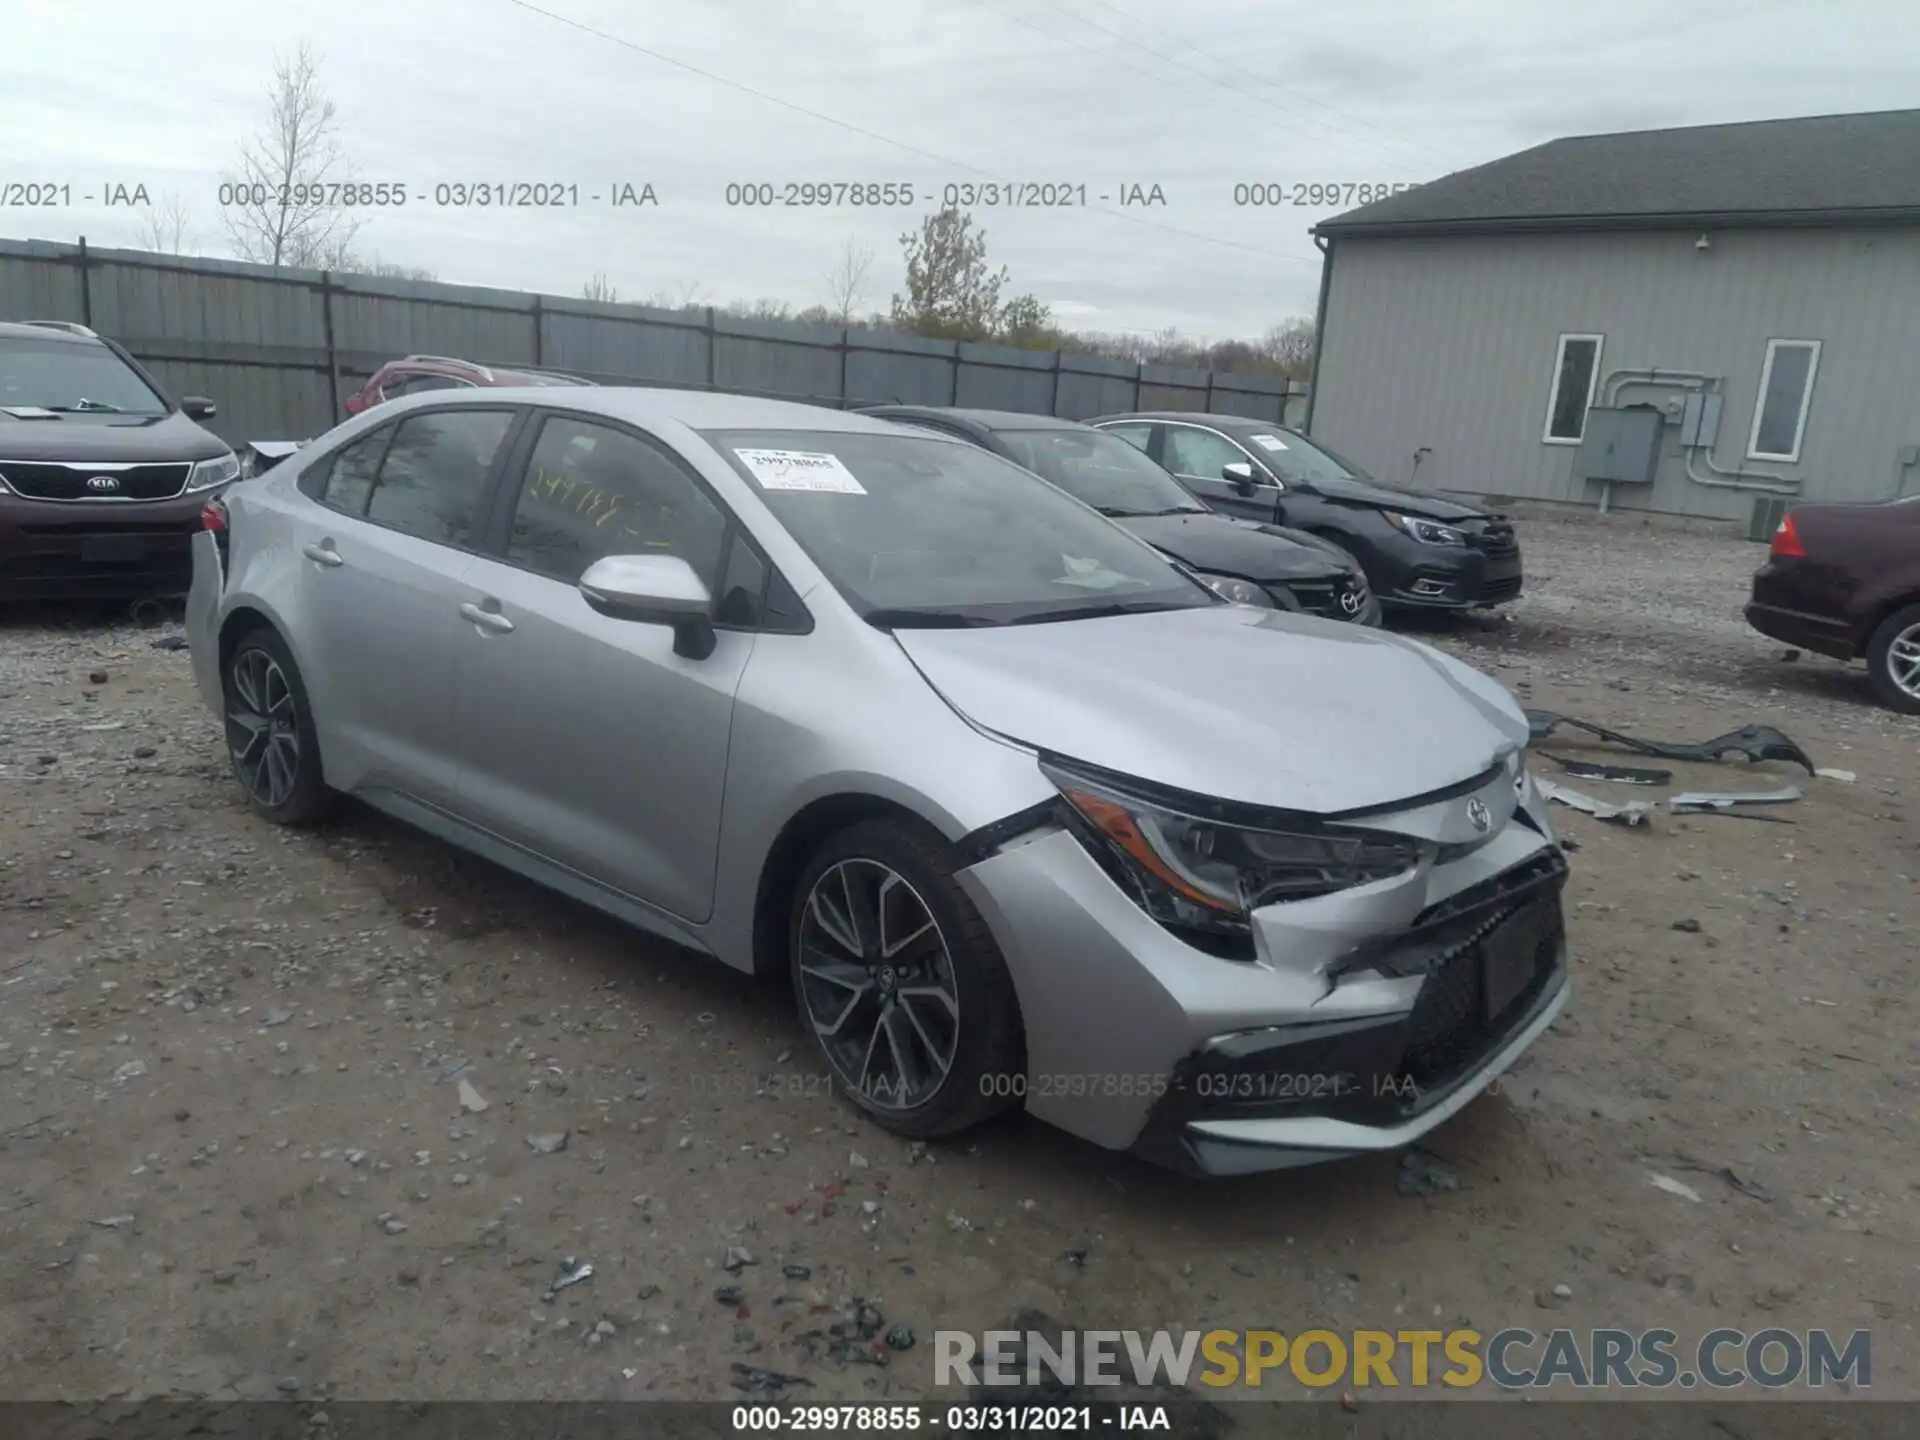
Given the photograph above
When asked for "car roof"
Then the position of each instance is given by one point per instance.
(21, 330)
(642, 405)
(1198, 417)
(984, 419)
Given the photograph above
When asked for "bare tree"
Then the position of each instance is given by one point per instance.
(686, 297)
(847, 281)
(1288, 347)
(600, 288)
(283, 176)
(166, 225)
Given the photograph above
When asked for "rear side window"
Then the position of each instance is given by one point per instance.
(348, 478)
(435, 473)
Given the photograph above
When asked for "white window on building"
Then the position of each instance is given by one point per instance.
(1576, 374)
(1780, 409)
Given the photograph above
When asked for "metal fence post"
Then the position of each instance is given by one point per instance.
(1053, 405)
(333, 354)
(713, 344)
(1209, 409)
(86, 287)
(539, 326)
(1139, 376)
(846, 344)
(953, 375)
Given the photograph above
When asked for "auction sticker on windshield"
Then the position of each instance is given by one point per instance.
(800, 470)
(1269, 442)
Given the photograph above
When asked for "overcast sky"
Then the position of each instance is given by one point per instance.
(1194, 96)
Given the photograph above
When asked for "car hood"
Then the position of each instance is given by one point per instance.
(170, 437)
(1259, 706)
(1226, 546)
(1384, 497)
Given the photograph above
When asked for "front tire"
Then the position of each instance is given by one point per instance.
(270, 735)
(1893, 661)
(900, 984)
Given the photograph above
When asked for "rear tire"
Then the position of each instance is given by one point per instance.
(270, 736)
(900, 984)
(1893, 660)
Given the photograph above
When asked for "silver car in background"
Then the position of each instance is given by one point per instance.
(1023, 813)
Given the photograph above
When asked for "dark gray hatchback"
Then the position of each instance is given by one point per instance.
(102, 474)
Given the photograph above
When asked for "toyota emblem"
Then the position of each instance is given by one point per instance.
(103, 484)
(1478, 815)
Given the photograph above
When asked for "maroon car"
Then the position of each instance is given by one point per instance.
(443, 372)
(1844, 580)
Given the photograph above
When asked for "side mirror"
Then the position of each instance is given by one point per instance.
(197, 407)
(654, 590)
(1240, 473)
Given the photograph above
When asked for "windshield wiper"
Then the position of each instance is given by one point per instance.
(1097, 610)
(909, 618)
(83, 406)
(1118, 512)
(1179, 510)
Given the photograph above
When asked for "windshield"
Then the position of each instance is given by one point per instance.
(1295, 459)
(64, 375)
(1100, 469)
(918, 531)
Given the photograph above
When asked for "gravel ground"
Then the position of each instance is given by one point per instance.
(324, 1114)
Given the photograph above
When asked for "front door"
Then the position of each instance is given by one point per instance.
(594, 745)
(1200, 457)
(382, 556)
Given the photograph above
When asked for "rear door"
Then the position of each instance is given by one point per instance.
(382, 556)
(595, 745)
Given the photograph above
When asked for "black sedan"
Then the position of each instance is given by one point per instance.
(1251, 561)
(1419, 551)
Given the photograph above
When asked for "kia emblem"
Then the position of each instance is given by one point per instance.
(103, 484)
(1478, 816)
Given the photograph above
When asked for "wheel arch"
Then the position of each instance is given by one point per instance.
(804, 832)
(1884, 610)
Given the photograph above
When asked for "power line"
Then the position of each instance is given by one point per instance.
(1253, 95)
(861, 131)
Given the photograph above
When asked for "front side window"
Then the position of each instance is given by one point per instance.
(435, 473)
(1100, 470)
(71, 376)
(592, 491)
(1137, 436)
(1786, 391)
(420, 384)
(916, 531)
(1576, 372)
(1199, 454)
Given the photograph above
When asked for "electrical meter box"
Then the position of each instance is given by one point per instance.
(1621, 446)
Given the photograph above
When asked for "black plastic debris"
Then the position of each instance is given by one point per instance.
(1756, 742)
(1619, 774)
(900, 1337)
(797, 1272)
(770, 1383)
(730, 1295)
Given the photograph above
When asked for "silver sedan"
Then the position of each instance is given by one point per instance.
(1023, 813)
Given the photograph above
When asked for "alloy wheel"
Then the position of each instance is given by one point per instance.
(1903, 661)
(263, 729)
(877, 984)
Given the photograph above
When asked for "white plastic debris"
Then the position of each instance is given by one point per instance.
(1673, 1187)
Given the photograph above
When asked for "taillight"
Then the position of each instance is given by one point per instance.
(1786, 540)
(213, 517)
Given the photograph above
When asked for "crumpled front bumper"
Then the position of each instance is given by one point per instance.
(1363, 1023)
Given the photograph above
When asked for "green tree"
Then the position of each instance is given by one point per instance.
(952, 294)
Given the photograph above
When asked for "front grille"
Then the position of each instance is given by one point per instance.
(1496, 538)
(1450, 1030)
(1504, 589)
(49, 480)
(1316, 597)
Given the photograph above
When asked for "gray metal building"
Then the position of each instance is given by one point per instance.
(1705, 321)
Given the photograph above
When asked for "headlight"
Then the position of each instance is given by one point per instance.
(1427, 532)
(1206, 875)
(209, 473)
(1240, 592)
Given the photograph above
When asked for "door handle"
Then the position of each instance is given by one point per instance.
(486, 619)
(324, 555)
